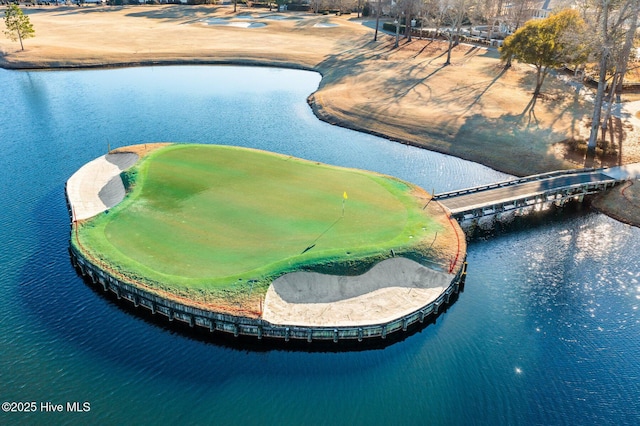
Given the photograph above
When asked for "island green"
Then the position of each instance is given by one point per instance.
(208, 218)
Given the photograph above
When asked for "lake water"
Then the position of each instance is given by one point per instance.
(547, 330)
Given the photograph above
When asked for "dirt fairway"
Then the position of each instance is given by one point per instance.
(472, 108)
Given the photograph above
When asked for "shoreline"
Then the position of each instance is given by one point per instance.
(366, 86)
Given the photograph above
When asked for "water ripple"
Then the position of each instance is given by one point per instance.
(546, 331)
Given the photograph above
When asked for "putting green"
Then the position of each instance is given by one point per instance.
(207, 217)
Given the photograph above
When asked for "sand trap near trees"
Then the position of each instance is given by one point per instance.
(238, 24)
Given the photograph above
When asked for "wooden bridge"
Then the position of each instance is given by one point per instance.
(556, 187)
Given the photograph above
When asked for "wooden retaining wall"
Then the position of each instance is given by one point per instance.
(257, 328)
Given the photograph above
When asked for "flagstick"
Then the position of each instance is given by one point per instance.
(344, 198)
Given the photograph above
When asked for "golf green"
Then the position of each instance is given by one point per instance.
(206, 218)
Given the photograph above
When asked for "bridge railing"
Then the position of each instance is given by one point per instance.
(536, 197)
(512, 182)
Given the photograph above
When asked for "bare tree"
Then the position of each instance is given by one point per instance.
(489, 12)
(410, 9)
(426, 12)
(452, 13)
(610, 24)
(621, 64)
(378, 7)
(516, 14)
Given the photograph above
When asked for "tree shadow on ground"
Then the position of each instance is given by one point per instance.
(163, 13)
(529, 111)
(177, 12)
(495, 141)
(486, 89)
(353, 61)
(558, 94)
(610, 147)
(472, 118)
(411, 77)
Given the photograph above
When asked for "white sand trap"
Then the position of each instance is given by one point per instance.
(282, 17)
(325, 25)
(237, 24)
(97, 186)
(391, 289)
(247, 24)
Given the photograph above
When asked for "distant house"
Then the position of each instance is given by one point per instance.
(385, 6)
(543, 9)
(519, 11)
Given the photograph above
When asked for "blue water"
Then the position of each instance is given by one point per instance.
(546, 331)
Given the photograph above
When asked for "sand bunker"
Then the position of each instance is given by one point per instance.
(97, 186)
(391, 289)
(325, 25)
(238, 24)
(282, 17)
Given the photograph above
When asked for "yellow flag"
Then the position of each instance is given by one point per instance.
(344, 195)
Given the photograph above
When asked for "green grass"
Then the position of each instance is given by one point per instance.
(205, 217)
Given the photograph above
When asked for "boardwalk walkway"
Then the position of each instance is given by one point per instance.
(554, 187)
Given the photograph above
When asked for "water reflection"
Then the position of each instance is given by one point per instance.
(546, 331)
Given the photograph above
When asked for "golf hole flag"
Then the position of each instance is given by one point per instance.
(344, 197)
